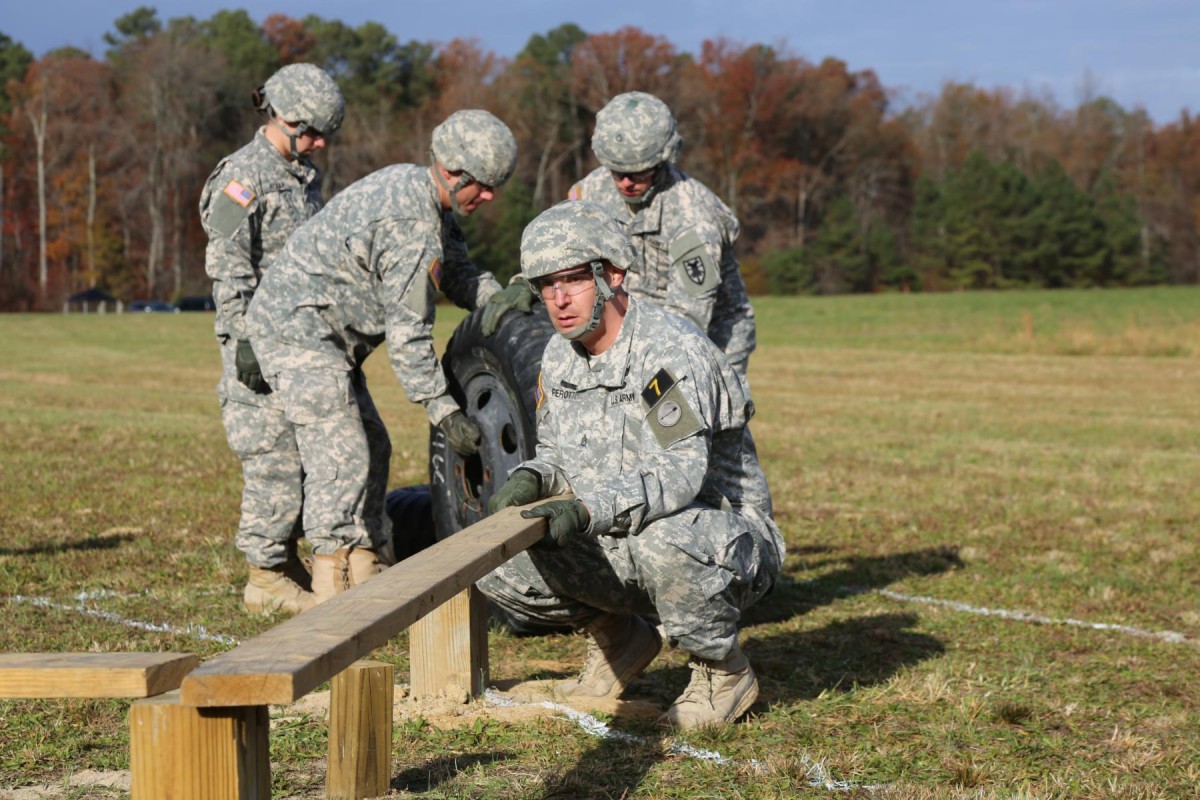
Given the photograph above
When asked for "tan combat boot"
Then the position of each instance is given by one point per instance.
(620, 646)
(271, 589)
(719, 692)
(334, 573)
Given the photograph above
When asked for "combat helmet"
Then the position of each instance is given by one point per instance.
(634, 132)
(303, 95)
(576, 233)
(476, 143)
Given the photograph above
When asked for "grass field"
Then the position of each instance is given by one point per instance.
(993, 589)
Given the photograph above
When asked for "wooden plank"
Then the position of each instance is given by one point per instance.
(447, 648)
(360, 732)
(187, 753)
(92, 674)
(286, 662)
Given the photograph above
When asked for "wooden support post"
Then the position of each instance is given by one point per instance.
(188, 753)
(448, 647)
(360, 732)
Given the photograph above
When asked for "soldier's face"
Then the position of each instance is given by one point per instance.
(634, 184)
(473, 195)
(570, 296)
(310, 142)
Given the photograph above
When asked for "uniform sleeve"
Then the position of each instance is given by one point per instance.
(697, 255)
(407, 256)
(464, 283)
(230, 212)
(674, 445)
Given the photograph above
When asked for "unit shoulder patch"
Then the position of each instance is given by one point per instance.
(670, 416)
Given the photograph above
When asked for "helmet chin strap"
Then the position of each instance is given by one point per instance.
(603, 294)
(292, 135)
(453, 192)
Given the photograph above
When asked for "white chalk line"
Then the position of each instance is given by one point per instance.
(818, 776)
(1171, 637)
(194, 631)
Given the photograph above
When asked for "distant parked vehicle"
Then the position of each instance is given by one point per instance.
(197, 303)
(152, 306)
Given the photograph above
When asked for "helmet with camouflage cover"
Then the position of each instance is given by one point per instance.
(634, 132)
(304, 94)
(576, 233)
(477, 143)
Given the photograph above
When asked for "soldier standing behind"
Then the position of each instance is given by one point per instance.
(642, 418)
(251, 203)
(683, 233)
(365, 271)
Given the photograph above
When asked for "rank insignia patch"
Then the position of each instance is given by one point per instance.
(657, 387)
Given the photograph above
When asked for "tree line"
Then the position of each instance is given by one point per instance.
(102, 159)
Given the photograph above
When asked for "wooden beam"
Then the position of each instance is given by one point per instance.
(92, 674)
(286, 662)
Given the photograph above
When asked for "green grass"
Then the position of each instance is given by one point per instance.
(1036, 452)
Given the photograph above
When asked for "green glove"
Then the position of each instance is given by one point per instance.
(521, 487)
(248, 371)
(567, 518)
(463, 434)
(515, 295)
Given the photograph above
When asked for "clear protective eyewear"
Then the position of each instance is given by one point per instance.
(569, 283)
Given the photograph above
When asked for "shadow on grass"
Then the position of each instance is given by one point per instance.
(613, 768)
(858, 574)
(841, 656)
(91, 543)
(433, 773)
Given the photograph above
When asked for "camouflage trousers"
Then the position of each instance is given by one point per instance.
(697, 570)
(343, 450)
(272, 478)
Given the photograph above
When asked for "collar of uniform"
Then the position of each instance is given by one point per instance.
(610, 367)
(301, 168)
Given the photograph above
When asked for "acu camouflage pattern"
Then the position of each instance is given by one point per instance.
(363, 271)
(570, 234)
(477, 142)
(685, 239)
(652, 435)
(635, 131)
(306, 93)
(250, 204)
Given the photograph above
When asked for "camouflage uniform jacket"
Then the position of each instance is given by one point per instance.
(366, 270)
(655, 424)
(684, 237)
(251, 203)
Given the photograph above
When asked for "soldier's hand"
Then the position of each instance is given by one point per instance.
(521, 487)
(566, 518)
(248, 371)
(462, 433)
(514, 296)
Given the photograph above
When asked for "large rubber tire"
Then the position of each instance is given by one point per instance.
(494, 380)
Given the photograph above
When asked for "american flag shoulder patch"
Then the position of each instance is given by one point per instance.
(238, 193)
(435, 273)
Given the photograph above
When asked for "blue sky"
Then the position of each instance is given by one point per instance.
(1142, 53)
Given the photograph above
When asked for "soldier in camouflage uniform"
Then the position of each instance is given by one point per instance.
(251, 203)
(364, 271)
(683, 233)
(644, 420)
